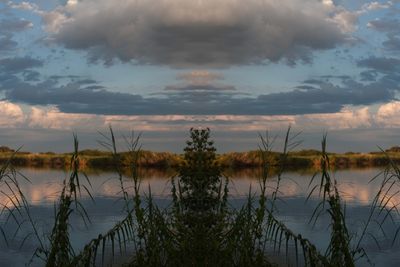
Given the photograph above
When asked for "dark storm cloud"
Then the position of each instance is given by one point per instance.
(71, 97)
(13, 69)
(94, 87)
(305, 87)
(199, 92)
(8, 27)
(212, 33)
(392, 43)
(86, 81)
(323, 97)
(392, 29)
(339, 77)
(313, 81)
(7, 44)
(328, 98)
(74, 98)
(381, 64)
(369, 75)
(14, 25)
(31, 76)
(18, 64)
(63, 77)
(385, 25)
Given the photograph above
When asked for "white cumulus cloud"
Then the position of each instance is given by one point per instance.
(388, 115)
(11, 115)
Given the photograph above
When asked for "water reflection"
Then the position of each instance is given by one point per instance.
(44, 185)
(354, 185)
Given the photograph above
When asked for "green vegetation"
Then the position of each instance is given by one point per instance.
(5, 149)
(199, 227)
(89, 159)
(302, 159)
(310, 159)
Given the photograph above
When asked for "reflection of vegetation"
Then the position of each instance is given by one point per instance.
(199, 227)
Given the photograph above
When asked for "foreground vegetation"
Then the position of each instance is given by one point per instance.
(199, 227)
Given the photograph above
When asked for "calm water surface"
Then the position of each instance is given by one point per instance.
(45, 184)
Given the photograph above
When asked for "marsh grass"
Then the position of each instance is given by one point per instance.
(16, 209)
(199, 227)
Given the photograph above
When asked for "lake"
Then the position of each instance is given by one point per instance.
(357, 191)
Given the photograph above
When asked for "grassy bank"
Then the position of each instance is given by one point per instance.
(89, 159)
(310, 159)
(304, 159)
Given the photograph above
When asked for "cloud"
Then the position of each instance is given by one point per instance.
(369, 75)
(200, 88)
(18, 64)
(7, 44)
(15, 70)
(23, 6)
(344, 119)
(321, 96)
(199, 82)
(48, 127)
(72, 97)
(14, 25)
(381, 64)
(392, 43)
(200, 77)
(388, 115)
(385, 24)
(326, 97)
(208, 33)
(376, 6)
(8, 27)
(40, 117)
(391, 27)
(199, 92)
(54, 119)
(11, 115)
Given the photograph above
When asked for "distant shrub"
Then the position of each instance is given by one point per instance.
(394, 149)
(47, 153)
(4, 149)
(93, 152)
(352, 153)
(306, 152)
(376, 153)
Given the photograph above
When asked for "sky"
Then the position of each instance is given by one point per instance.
(160, 67)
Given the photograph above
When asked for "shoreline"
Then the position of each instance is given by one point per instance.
(235, 160)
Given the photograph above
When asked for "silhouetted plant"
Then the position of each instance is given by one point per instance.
(60, 251)
(199, 213)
